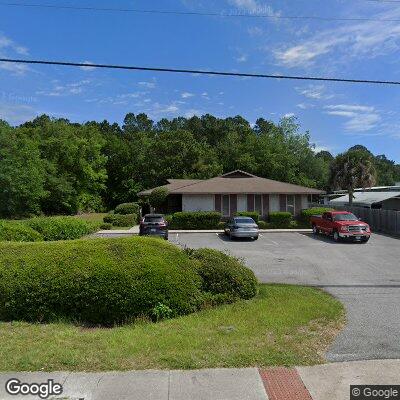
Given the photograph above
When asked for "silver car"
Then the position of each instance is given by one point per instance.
(242, 227)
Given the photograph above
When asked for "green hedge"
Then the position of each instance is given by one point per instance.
(18, 232)
(306, 214)
(280, 219)
(263, 225)
(196, 220)
(102, 281)
(127, 208)
(252, 214)
(224, 276)
(121, 219)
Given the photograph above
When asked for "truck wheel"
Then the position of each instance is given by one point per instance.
(315, 230)
(365, 240)
(336, 236)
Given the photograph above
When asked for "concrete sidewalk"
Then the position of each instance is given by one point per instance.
(322, 382)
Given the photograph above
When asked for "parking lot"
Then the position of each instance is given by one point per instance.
(365, 277)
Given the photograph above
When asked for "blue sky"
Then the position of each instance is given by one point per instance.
(337, 115)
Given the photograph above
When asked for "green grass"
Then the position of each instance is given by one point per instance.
(92, 217)
(283, 325)
(98, 217)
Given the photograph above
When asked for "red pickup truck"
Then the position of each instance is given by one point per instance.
(341, 225)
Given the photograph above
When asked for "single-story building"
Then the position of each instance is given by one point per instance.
(370, 199)
(235, 191)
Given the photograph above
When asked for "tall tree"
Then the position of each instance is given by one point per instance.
(351, 170)
(21, 174)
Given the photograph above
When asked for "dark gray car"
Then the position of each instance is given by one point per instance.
(242, 227)
(154, 225)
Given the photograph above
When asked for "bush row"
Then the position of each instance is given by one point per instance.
(125, 214)
(46, 228)
(112, 281)
(194, 220)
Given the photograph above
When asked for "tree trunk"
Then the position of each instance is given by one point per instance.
(351, 197)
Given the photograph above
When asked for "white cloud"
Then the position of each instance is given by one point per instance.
(359, 118)
(315, 92)
(242, 58)
(58, 90)
(16, 113)
(149, 85)
(305, 106)
(289, 115)
(254, 7)
(318, 148)
(9, 46)
(87, 68)
(186, 95)
(366, 38)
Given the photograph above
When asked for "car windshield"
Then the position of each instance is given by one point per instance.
(244, 221)
(345, 217)
(153, 219)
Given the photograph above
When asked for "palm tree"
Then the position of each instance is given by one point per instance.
(352, 169)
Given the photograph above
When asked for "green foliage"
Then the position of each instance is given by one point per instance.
(21, 174)
(53, 166)
(121, 219)
(161, 311)
(127, 208)
(196, 220)
(62, 228)
(280, 219)
(17, 231)
(158, 197)
(307, 214)
(252, 214)
(106, 226)
(263, 224)
(103, 281)
(224, 275)
(352, 169)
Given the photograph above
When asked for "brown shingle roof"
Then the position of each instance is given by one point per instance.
(172, 185)
(225, 184)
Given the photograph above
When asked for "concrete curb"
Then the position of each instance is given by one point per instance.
(174, 231)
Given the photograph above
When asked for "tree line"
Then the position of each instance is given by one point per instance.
(54, 166)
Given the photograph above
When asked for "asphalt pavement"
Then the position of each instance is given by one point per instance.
(365, 277)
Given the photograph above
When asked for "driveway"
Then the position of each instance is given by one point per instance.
(365, 277)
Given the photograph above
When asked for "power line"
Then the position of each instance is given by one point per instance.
(195, 71)
(209, 14)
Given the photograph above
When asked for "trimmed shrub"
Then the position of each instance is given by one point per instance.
(280, 219)
(127, 208)
(62, 228)
(307, 214)
(252, 214)
(102, 281)
(263, 225)
(106, 226)
(196, 220)
(121, 219)
(17, 231)
(224, 276)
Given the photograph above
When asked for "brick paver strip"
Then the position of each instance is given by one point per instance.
(284, 384)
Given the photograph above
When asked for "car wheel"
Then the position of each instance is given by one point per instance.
(365, 240)
(255, 237)
(315, 230)
(336, 236)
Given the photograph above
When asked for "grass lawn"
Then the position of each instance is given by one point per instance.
(283, 325)
(98, 217)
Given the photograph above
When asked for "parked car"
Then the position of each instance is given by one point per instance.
(341, 225)
(241, 227)
(154, 225)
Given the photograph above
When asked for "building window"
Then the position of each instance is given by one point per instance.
(225, 205)
(258, 203)
(290, 203)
